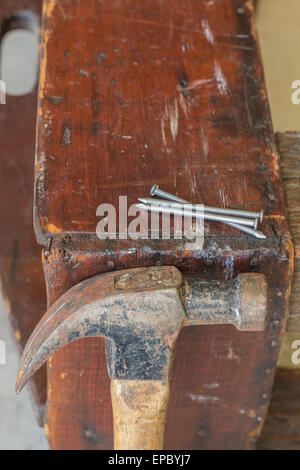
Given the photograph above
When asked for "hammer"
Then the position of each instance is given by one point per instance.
(140, 313)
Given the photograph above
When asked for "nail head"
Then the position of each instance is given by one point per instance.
(153, 190)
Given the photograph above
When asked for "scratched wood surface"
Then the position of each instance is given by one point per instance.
(221, 380)
(134, 93)
(21, 273)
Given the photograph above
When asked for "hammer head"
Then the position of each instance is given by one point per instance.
(140, 313)
(137, 311)
(241, 302)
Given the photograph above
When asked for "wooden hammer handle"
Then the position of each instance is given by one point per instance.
(139, 411)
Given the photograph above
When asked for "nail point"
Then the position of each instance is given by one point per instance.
(261, 235)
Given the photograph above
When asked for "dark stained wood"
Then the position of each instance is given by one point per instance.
(112, 70)
(21, 271)
(205, 356)
(123, 105)
(289, 147)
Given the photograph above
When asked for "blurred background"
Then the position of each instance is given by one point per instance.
(278, 28)
(277, 23)
(18, 425)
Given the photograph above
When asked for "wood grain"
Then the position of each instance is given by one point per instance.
(213, 403)
(289, 148)
(139, 413)
(122, 105)
(133, 94)
(282, 427)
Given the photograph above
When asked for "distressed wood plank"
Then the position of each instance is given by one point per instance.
(135, 94)
(122, 105)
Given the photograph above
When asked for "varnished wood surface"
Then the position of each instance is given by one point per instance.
(133, 94)
(81, 407)
(216, 147)
(22, 282)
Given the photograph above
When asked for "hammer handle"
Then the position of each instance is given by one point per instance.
(139, 411)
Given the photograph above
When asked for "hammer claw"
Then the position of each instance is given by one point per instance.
(124, 308)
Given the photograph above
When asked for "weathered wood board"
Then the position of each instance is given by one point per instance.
(133, 94)
(282, 426)
(289, 148)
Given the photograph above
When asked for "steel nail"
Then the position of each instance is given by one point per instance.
(243, 228)
(181, 210)
(156, 191)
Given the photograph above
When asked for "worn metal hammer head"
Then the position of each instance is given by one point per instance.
(140, 313)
